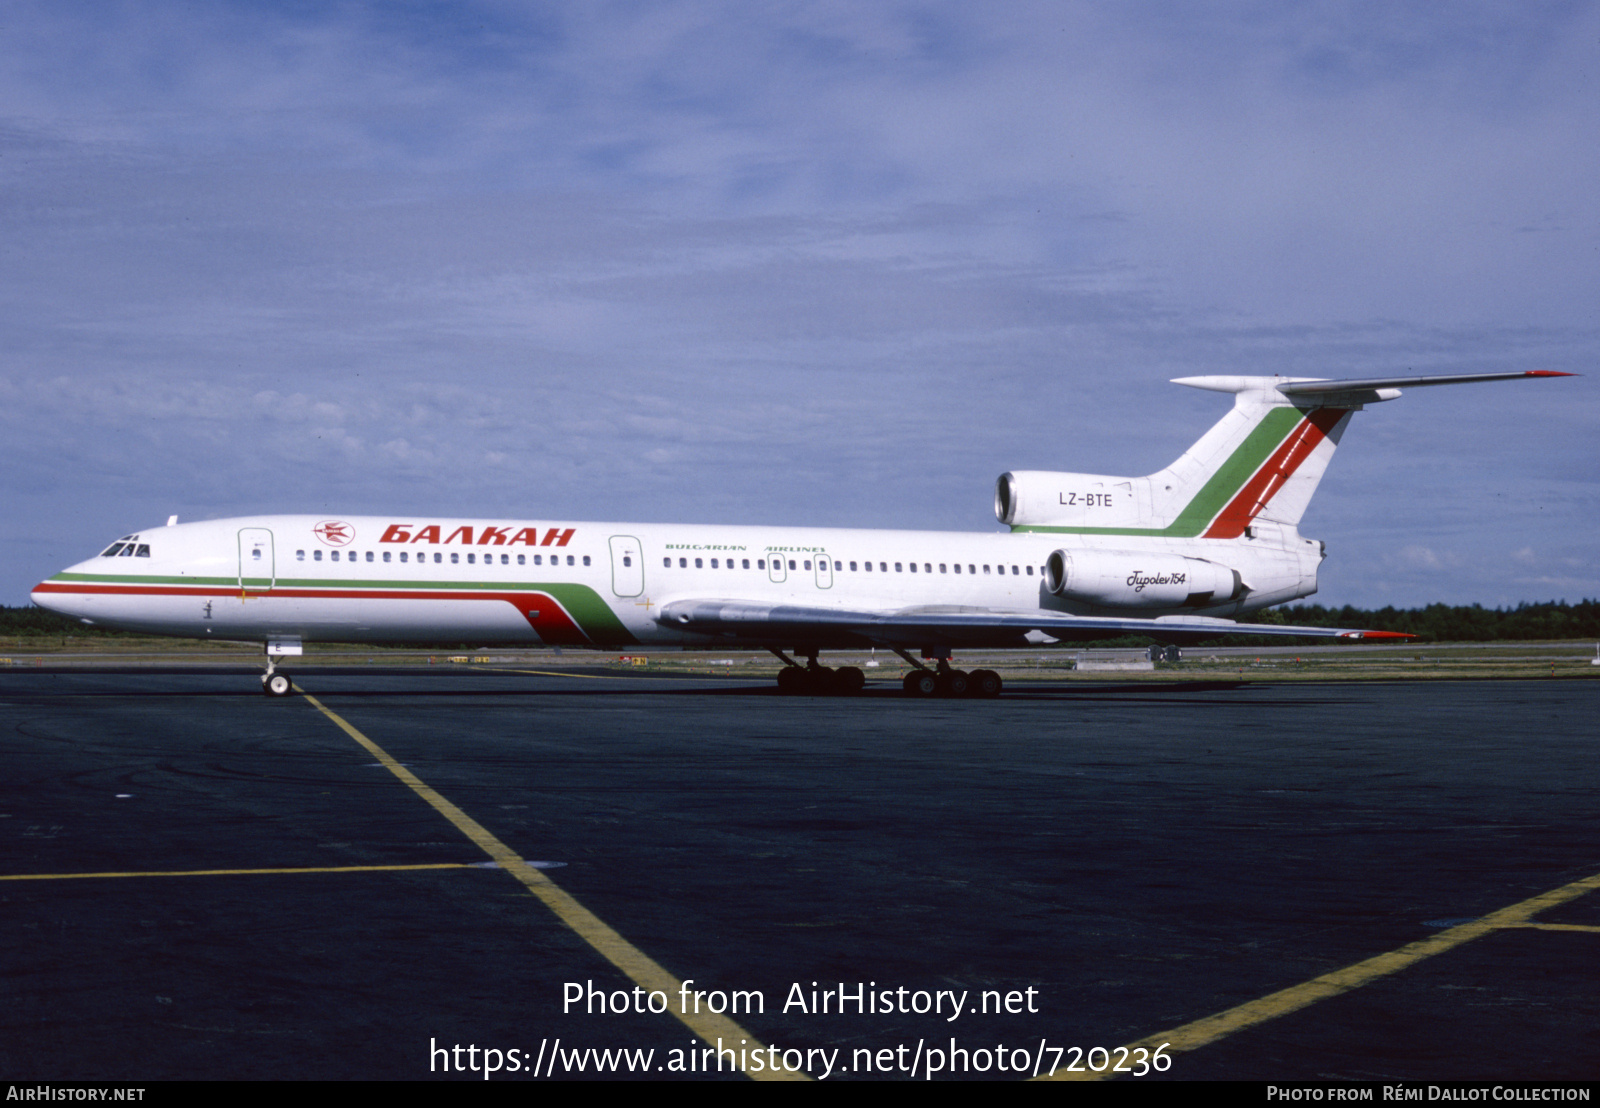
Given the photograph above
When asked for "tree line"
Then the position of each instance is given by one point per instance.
(1554, 619)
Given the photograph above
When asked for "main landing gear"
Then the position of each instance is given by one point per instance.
(948, 682)
(812, 679)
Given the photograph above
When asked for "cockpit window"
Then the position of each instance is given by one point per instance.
(122, 548)
(113, 550)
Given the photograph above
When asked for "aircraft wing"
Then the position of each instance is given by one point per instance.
(764, 624)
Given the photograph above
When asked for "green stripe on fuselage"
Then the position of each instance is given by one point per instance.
(592, 614)
(1215, 494)
(143, 579)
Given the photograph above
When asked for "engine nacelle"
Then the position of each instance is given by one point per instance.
(1038, 498)
(1126, 579)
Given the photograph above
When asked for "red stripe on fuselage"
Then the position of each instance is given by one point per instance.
(543, 612)
(1248, 501)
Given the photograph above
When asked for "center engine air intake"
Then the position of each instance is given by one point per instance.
(1125, 579)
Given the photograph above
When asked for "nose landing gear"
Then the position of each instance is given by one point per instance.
(274, 682)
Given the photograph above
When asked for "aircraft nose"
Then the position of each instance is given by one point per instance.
(46, 596)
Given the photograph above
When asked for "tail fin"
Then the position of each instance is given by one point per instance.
(1262, 460)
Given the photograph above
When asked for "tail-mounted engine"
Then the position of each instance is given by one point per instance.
(1036, 498)
(1125, 579)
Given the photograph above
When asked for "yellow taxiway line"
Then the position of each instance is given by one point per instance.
(635, 963)
(234, 872)
(1192, 1036)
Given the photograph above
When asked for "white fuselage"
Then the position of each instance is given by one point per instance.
(394, 579)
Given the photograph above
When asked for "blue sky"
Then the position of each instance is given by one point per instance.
(812, 263)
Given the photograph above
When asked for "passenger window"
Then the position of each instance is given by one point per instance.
(386, 555)
(941, 567)
(683, 563)
(455, 559)
(472, 559)
(369, 555)
(913, 567)
(666, 563)
(791, 563)
(1030, 571)
(316, 555)
(897, 567)
(852, 567)
(747, 563)
(538, 559)
(808, 563)
(986, 569)
(569, 559)
(437, 557)
(299, 555)
(699, 564)
(404, 557)
(522, 559)
(627, 560)
(972, 569)
(586, 559)
(713, 563)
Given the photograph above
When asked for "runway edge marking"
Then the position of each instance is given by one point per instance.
(635, 963)
(1202, 1032)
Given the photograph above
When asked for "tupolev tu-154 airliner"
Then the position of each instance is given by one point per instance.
(1178, 556)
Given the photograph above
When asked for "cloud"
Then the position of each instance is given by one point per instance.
(824, 264)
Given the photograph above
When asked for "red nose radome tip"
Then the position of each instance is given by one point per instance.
(1376, 635)
(1547, 373)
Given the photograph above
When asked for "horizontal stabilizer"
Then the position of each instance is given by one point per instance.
(1318, 389)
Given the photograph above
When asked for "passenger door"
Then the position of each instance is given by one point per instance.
(627, 565)
(258, 570)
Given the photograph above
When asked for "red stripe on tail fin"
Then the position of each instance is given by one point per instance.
(1260, 489)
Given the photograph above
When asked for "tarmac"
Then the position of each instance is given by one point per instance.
(491, 872)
